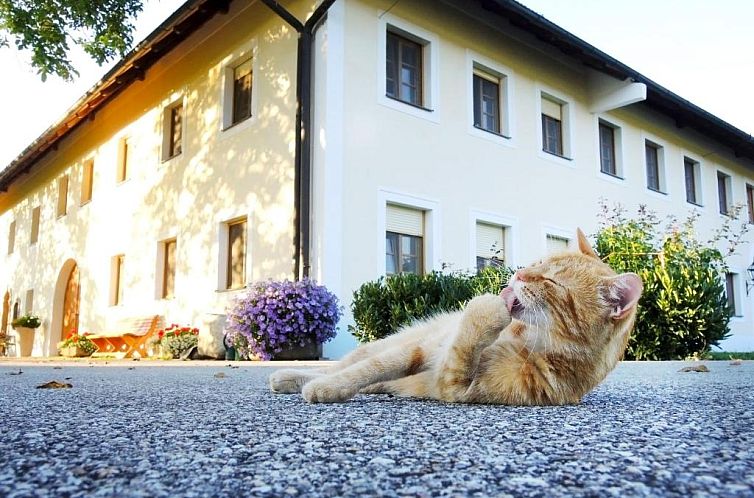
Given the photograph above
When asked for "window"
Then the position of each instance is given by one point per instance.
(87, 179)
(236, 255)
(723, 192)
(29, 301)
(693, 184)
(34, 225)
(403, 69)
(490, 245)
(653, 161)
(608, 164)
(168, 268)
(750, 202)
(487, 111)
(731, 281)
(62, 207)
(242, 75)
(556, 244)
(122, 172)
(172, 142)
(117, 267)
(404, 240)
(11, 236)
(552, 126)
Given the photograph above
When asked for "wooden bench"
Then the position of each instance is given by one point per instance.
(130, 337)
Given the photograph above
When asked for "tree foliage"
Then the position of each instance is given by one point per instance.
(47, 28)
(683, 310)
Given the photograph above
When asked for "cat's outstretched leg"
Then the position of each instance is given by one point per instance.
(290, 381)
(386, 365)
(483, 319)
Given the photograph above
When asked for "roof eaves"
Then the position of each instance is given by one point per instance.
(133, 67)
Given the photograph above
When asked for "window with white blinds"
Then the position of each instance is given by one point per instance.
(404, 243)
(404, 220)
(552, 109)
(556, 244)
(490, 243)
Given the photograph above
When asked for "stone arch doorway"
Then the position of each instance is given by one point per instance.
(65, 316)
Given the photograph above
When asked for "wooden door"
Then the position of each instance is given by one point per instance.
(6, 312)
(71, 304)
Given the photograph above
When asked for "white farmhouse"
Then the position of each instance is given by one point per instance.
(428, 132)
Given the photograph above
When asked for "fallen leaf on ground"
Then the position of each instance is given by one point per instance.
(695, 368)
(54, 384)
(220, 375)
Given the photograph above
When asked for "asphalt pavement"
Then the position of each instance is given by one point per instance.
(132, 429)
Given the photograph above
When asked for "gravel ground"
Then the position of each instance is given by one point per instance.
(134, 429)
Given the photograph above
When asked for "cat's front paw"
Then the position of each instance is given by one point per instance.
(327, 391)
(287, 381)
(487, 312)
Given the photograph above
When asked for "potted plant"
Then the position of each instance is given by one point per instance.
(282, 320)
(25, 326)
(176, 341)
(76, 345)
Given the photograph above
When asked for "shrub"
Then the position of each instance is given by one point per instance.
(176, 340)
(383, 306)
(683, 310)
(30, 321)
(273, 316)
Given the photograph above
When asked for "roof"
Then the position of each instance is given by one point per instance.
(195, 13)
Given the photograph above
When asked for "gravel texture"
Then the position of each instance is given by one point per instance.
(141, 430)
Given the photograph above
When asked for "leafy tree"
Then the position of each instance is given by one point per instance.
(47, 28)
(683, 310)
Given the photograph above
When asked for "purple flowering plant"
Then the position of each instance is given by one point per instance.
(275, 315)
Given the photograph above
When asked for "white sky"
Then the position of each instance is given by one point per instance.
(703, 50)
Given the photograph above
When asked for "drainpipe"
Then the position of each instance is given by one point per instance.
(303, 153)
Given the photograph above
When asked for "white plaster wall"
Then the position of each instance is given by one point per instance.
(437, 158)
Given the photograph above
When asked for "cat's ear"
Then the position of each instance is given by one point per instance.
(584, 246)
(622, 293)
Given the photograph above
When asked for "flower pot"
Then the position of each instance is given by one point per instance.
(311, 351)
(73, 352)
(25, 340)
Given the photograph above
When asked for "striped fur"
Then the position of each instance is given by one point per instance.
(552, 335)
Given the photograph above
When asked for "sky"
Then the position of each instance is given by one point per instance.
(702, 50)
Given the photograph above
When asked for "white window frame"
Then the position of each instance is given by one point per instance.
(116, 284)
(249, 50)
(167, 109)
(567, 124)
(430, 43)
(559, 232)
(662, 171)
(728, 189)
(431, 239)
(509, 224)
(506, 79)
(620, 170)
(223, 233)
(160, 268)
(698, 171)
(738, 311)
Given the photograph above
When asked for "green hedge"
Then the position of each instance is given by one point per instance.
(383, 306)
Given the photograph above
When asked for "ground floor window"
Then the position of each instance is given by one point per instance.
(404, 240)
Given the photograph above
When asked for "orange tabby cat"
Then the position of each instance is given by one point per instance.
(549, 338)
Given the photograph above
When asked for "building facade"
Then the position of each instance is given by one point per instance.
(442, 133)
